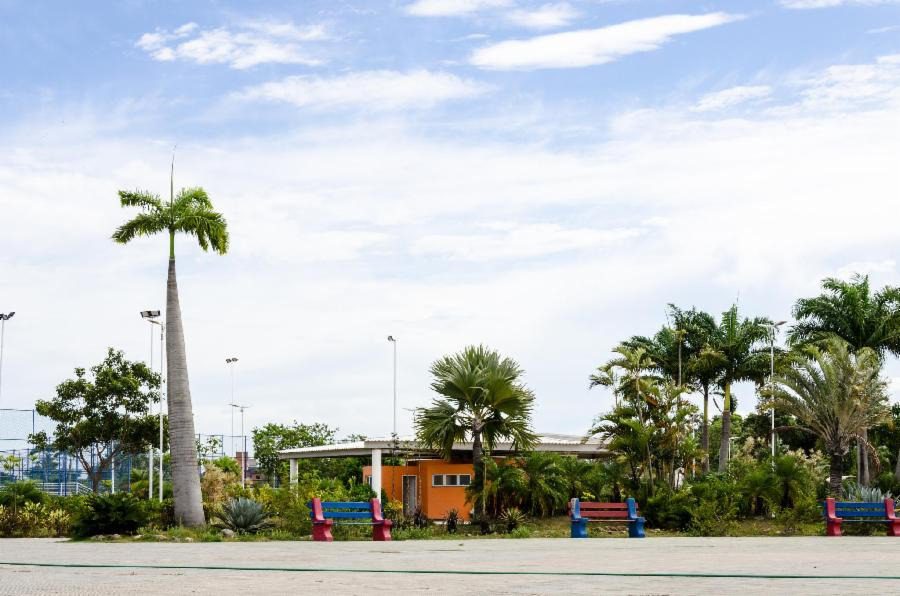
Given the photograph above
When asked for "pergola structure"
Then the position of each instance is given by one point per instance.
(573, 445)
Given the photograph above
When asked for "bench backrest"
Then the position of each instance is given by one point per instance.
(852, 509)
(319, 510)
(596, 510)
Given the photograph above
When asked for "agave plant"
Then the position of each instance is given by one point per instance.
(512, 518)
(853, 491)
(244, 516)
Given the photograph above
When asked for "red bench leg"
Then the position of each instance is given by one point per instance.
(893, 528)
(833, 527)
(382, 532)
(321, 532)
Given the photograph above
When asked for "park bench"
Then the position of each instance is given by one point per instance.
(583, 512)
(839, 512)
(325, 514)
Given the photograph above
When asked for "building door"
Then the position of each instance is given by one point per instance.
(409, 495)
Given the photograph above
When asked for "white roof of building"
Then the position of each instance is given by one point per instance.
(547, 443)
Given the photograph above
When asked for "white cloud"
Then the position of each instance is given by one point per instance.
(809, 4)
(866, 268)
(512, 241)
(730, 97)
(375, 90)
(574, 49)
(547, 16)
(328, 225)
(250, 44)
(844, 85)
(452, 8)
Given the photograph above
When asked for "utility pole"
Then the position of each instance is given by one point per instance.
(3, 319)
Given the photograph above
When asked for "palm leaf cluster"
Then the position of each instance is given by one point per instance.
(835, 394)
(189, 212)
(482, 399)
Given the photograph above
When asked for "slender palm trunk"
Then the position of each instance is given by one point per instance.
(478, 465)
(704, 431)
(726, 429)
(182, 440)
(897, 469)
(864, 476)
(834, 474)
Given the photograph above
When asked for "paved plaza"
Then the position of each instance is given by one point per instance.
(458, 567)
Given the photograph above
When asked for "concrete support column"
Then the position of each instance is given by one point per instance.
(293, 467)
(376, 472)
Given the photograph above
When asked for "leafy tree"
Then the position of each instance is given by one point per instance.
(850, 311)
(835, 394)
(190, 212)
(482, 399)
(102, 415)
(272, 438)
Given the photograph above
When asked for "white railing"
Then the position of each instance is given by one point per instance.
(65, 488)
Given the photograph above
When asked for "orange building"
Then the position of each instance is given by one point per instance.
(433, 485)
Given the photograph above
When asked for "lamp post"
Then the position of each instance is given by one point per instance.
(773, 329)
(151, 317)
(3, 319)
(244, 438)
(231, 362)
(394, 341)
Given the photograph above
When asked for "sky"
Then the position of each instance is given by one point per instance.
(542, 177)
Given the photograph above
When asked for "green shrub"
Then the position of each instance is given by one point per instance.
(243, 516)
(668, 509)
(16, 494)
(161, 515)
(521, 532)
(120, 513)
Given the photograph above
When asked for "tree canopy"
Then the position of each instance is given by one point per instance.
(102, 413)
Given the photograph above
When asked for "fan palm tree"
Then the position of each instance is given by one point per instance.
(835, 394)
(190, 212)
(738, 341)
(482, 399)
(849, 310)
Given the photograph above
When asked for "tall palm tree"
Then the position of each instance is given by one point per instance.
(738, 341)
(190, 212)
(683, 352)
(835, 394)
(849, 310)
(482, 398)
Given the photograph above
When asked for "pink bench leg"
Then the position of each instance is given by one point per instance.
(893, 528)
(833, 527)
(322, 532)
(382, 532)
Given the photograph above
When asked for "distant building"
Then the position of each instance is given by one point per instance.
(427, 482)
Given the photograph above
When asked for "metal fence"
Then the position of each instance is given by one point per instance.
(64, 474)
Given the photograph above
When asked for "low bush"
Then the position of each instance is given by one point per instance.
(119, 513)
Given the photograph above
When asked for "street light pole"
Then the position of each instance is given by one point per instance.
(394, 341)
(773, 328)
(244, 439)
(3, 319)
(231, 362)
(150, 316)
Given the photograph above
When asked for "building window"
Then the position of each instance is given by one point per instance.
(369, 480)
(451, 480)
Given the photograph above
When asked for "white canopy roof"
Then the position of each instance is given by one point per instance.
(547, 443)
